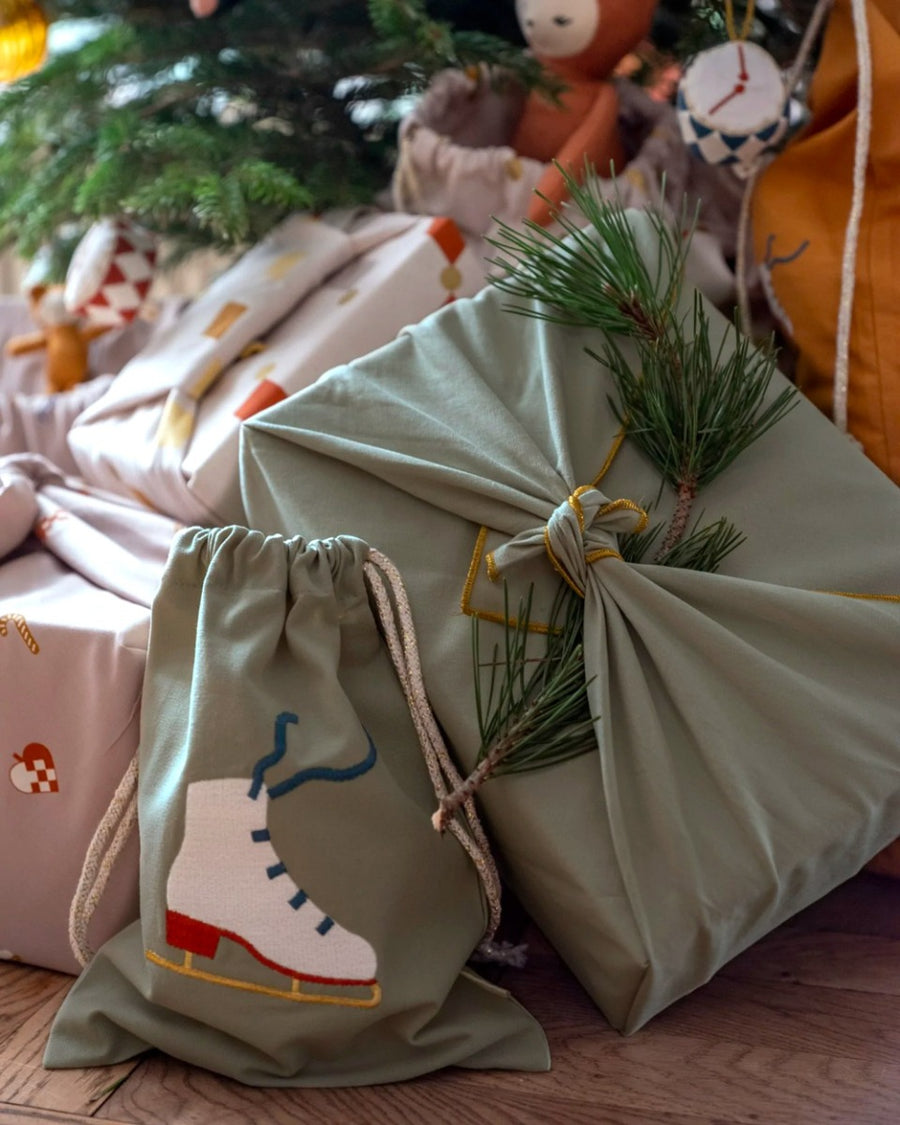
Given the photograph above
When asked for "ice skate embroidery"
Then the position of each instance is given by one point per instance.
(260, 907)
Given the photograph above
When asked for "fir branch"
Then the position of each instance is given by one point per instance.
(535, 711)
(294, 103)
(693, 409)
(635, 546)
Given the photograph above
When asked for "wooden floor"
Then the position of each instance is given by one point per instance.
(803, 1029)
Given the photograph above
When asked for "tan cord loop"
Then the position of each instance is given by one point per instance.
(385, 583)
(406, 190)
(105, 848)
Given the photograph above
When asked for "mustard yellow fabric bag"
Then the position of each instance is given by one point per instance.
(801, 207)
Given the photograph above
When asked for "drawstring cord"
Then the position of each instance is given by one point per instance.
(105, 848)
(851, 241)
(393, 606)
(395, 617)
(851, 237)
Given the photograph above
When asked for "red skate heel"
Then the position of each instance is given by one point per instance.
(190, 935)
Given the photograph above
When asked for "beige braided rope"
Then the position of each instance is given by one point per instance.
(385, 583)
(105, 848)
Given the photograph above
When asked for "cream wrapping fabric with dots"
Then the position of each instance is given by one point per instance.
(315, 293)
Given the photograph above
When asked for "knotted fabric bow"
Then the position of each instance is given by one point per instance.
(581, 531)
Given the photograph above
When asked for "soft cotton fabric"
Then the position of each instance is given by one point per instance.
(79, 572)
(301, 923)
(801, 210)
(748, 752)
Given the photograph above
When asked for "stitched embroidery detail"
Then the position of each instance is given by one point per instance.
(273, 918)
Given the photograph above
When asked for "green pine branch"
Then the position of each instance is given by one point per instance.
(691, 408)
(533, 712)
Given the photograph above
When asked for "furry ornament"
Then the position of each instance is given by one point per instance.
(579, 42)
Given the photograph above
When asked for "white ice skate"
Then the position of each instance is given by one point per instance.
(256, 904)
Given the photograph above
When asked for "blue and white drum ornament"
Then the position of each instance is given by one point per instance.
(733, 105)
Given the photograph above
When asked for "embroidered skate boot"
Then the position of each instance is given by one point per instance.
(256, 904)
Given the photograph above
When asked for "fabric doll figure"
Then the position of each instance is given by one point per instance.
(579, 42)
(61, 334)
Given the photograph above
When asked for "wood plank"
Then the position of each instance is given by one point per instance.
(29, 1115)
(857, 962)
(650, 1078)
(844, 1024)
(868, 904)
(803, 1029)
(24, 1081)
(164, 1091)
(24, 990)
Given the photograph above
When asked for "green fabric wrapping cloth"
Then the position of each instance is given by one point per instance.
(748, 722)
(301, 923)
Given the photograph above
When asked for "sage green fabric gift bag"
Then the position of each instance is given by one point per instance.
(301, 923)
(747, 722)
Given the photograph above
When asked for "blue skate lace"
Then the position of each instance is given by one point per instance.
(311, 773)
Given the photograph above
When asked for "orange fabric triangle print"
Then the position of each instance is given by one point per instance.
(446, 234)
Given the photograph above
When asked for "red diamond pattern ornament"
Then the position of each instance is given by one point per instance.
(111, 272)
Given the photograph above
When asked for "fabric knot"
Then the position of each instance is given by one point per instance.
(581, 531)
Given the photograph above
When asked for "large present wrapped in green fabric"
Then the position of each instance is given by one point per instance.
(301, 924)
(747, 721)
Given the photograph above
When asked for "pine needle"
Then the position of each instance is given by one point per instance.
(535, 711)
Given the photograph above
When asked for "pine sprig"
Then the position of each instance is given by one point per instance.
(592, 275)
(534, 711)
(705, 548)
(692, 409)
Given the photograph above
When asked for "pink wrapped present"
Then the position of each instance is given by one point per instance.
(75, 590)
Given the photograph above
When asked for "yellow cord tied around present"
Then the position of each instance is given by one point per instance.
(580, 532)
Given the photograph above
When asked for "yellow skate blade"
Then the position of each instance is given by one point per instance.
(295, 992)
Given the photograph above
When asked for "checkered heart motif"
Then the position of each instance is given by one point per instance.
(34, 770)
(111, 272)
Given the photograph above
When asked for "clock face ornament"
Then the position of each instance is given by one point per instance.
(732, 105)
